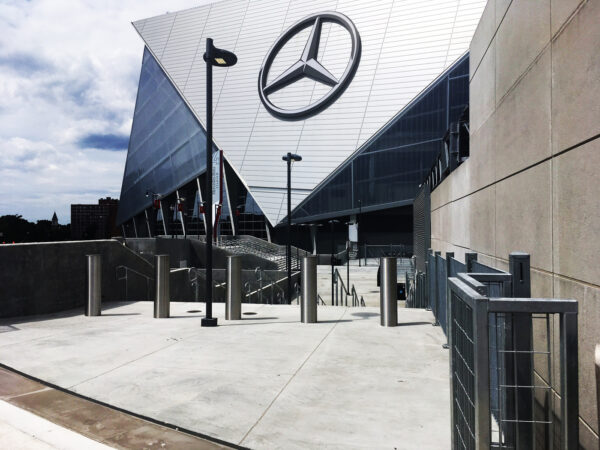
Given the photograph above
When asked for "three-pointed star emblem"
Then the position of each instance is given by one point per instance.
(307, 66)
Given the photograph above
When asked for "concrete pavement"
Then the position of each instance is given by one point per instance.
(267, 381)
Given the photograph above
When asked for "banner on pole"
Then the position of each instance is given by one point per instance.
(217, 193)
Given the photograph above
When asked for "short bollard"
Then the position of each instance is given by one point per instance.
(308, 306)
(233, 305)
(93, 306)
(162, 302)
(388, 302)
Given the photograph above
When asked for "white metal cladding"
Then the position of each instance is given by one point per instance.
(405, 45)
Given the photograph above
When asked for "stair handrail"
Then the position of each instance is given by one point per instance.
(129, 269)
(343, 290)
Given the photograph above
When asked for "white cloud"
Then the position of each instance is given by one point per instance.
(68, 69)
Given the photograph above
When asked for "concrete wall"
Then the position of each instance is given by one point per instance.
(42, 278)
(530, 182)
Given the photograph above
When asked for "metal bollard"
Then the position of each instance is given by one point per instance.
(233, 305)
(93, 307)
(388, 302)
(308, 306)
(162, 301)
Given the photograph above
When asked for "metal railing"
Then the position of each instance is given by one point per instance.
(505, 355)
(341, 292)
(487, 409)
(245, 244)
(126, 271)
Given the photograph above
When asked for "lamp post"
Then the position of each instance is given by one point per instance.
(221, 58)
(288, 247)
(331, 225)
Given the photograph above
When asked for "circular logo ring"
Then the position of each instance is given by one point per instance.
(308, 66)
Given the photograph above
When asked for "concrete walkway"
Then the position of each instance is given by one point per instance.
(267, 381)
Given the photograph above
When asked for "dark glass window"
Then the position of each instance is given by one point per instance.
(390, 167)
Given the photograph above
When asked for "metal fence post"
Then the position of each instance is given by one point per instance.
(519, 267)
(233, 306)
(469, 258)
(388, 292)
(448, 271)
(481, 369)
(93, 306)
(436, 299)
(569, 385)
(308, 305)
(161, 303)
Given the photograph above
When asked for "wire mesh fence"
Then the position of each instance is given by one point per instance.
(513, 358)
(505, 389)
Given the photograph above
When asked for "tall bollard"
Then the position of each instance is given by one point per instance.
(162, 302)
(93, 306)
(233, 305)
(308, 306)
(388, 292)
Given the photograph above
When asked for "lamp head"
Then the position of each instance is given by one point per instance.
(217, 56)
(291, 157)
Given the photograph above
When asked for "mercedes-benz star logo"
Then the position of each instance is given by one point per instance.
(308, 66)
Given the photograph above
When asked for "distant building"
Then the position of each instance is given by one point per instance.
(54, 220)
(94, 221)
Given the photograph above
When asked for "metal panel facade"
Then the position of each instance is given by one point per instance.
(405, 46)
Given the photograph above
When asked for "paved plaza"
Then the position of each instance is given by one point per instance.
(266, 381)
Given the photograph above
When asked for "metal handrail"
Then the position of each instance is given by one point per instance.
(342, 289)
(272, 286)
(195, 280)
(319, 298)
(127, 270)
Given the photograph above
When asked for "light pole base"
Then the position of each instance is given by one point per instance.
(208, 322)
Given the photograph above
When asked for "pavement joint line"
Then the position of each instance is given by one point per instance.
(37, 391)
(292, 377)
(28, 340)
(143, 417)
(122, 365)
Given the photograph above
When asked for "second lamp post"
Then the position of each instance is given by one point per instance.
(288, 248)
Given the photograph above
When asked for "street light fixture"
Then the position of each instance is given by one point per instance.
(221, 58)
(288, 248)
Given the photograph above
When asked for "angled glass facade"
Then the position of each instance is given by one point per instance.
(167, 147)
(388, 169)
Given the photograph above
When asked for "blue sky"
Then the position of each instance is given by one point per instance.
(68, 79)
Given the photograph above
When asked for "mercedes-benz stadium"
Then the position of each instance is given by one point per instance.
(365, 92)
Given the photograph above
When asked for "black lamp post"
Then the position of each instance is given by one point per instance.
(221, 58)
(288, 248)
(331, 228)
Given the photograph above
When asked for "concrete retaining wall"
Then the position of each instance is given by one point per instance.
(40, 278)
(530, 183)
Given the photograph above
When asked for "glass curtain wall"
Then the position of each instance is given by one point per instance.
(388, 169)
(167, 146)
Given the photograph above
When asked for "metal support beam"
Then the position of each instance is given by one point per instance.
(180, 213)
(134, 226)
(148, 223)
